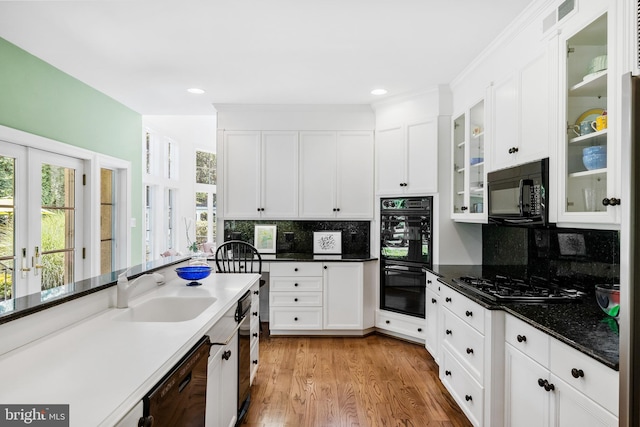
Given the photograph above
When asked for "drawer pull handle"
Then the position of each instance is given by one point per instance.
(295, 319)
(468, 398)
(256, 292)
(295, 284)
(255, 334)
(447, 299)
(448, 332)
(255, 362)
(226, 355)
(469, 351)
(295, 299)
(433, 301)
(549, 387)
(255, 313)
(295, 269)
(387, 321)
(541, 382)
(429, 282)
(521, 338)
(419, 329)
(468, 313)
(447, 373)
(325, 267)
(577, 373)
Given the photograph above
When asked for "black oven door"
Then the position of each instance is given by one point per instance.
(402, 288)
(406, 237)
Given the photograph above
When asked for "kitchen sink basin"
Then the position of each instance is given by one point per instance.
(166, 309)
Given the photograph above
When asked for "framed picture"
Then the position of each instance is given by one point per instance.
(327, 242)
(265, 239)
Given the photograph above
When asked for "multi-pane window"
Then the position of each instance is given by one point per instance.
(206, 178)
(7, 184)
(206, 172)
(171, 218)
(148, 223)
(107, 221)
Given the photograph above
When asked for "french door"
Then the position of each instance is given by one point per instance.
(41, 202)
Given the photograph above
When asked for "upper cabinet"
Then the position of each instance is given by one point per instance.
(588, 189)
(521, 113)
(260, 174)
(407, 159)
(469, 170)
(336, 174)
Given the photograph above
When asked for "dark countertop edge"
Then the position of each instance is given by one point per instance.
(30, 304)
(445, 275)
(302, 257)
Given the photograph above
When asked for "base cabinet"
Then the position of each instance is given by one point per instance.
(255, 329)
(408, 327)
(433, 314)
(548, 383)
(222, 385)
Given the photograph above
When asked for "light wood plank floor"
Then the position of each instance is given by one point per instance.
(330, 382)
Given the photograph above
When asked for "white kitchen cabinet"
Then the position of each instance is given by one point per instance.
(548, 383)
(336, 175)
(521, 117)
(432, 317)
(472, 363)
(343, 295)
(407, 159)
(588, 193)
(469, 152)
(260, 174)
(222, 385)
(408, 327)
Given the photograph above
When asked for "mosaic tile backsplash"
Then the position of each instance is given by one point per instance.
(583, 257)
(297, 236)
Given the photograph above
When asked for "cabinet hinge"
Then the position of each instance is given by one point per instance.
(84, 179)
(84, 253)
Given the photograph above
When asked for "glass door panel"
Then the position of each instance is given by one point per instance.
(7, 227)
(459, 163)
(476, 159)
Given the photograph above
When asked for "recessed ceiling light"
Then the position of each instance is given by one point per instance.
(195, 90)
(378, 92)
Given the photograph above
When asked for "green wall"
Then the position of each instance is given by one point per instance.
(40, 99)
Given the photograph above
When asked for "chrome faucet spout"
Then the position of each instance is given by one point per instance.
(125, 287)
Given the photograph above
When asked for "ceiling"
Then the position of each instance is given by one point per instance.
(146, 53)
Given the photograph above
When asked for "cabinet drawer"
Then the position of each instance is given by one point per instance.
(529, 340)
(469, 311)
(401, 324)
(300, 284)
(466, 343)
(595, 380)
(295, 299)
(296, 269)
(433, 284)
(255, 350)
(464, 389)
(295, 318)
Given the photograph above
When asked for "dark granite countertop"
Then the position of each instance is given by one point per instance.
(23, 306)
(581, 325)
(320, 258)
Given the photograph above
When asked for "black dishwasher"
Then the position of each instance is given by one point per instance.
(179, 399)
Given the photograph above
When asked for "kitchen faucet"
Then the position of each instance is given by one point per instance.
(125, 288)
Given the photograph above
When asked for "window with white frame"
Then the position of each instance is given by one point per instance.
(206, 209)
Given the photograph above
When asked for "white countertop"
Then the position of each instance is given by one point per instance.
(103, 367)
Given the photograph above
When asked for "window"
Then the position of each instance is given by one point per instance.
(206, 172)
(206, 177)
(148, 223)
(107, 221)
(171, 218)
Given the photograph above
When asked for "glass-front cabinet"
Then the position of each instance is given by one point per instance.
(588, 151)
(469, 172)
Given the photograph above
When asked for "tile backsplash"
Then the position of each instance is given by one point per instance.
(297, 236)
(583, 257)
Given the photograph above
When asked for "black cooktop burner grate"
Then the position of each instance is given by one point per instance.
(503, 288)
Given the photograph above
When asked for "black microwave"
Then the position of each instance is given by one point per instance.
(519, 195)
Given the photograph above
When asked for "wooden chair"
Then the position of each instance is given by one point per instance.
(236, 256)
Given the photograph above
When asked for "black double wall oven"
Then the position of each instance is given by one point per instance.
(405, 250)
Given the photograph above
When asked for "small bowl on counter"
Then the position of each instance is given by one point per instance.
(193, 273)
(608, 298)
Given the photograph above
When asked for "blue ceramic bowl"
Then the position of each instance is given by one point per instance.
(193, 272)
(595, 161)
(596, 149)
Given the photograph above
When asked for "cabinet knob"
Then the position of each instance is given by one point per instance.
(468, 398)
(295, 319)
(448, 332)
(295, 269)
(295, 284)
(577, 373)
(387, 321)
(295, 299)
(255, 313)
(541, 382)
(549, 387)
(334, 209)
(325, 267)
(256, 292)
(429, 282)
(611, 202)
(464, 208)
(255, 362)
(403, 184)
(468, 313)
(469, 351)
(337, 209)
(255, 335)
(226, 355)
(146, 421)
(447, 373)
(433, 301)
(419, 329)
(447, 299)
(521, 338)
(513, 150)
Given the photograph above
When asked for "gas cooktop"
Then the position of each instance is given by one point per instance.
(534, 290)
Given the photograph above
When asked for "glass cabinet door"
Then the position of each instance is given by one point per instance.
(587, 146)
(459, 164)
(476, 159)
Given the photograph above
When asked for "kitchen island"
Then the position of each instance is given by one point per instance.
(104, 365)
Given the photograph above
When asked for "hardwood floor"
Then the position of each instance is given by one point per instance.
(372, 381)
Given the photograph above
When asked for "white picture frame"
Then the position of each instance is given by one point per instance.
(264, 238)
(327, 242)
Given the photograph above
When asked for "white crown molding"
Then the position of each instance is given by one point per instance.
(530, 13)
